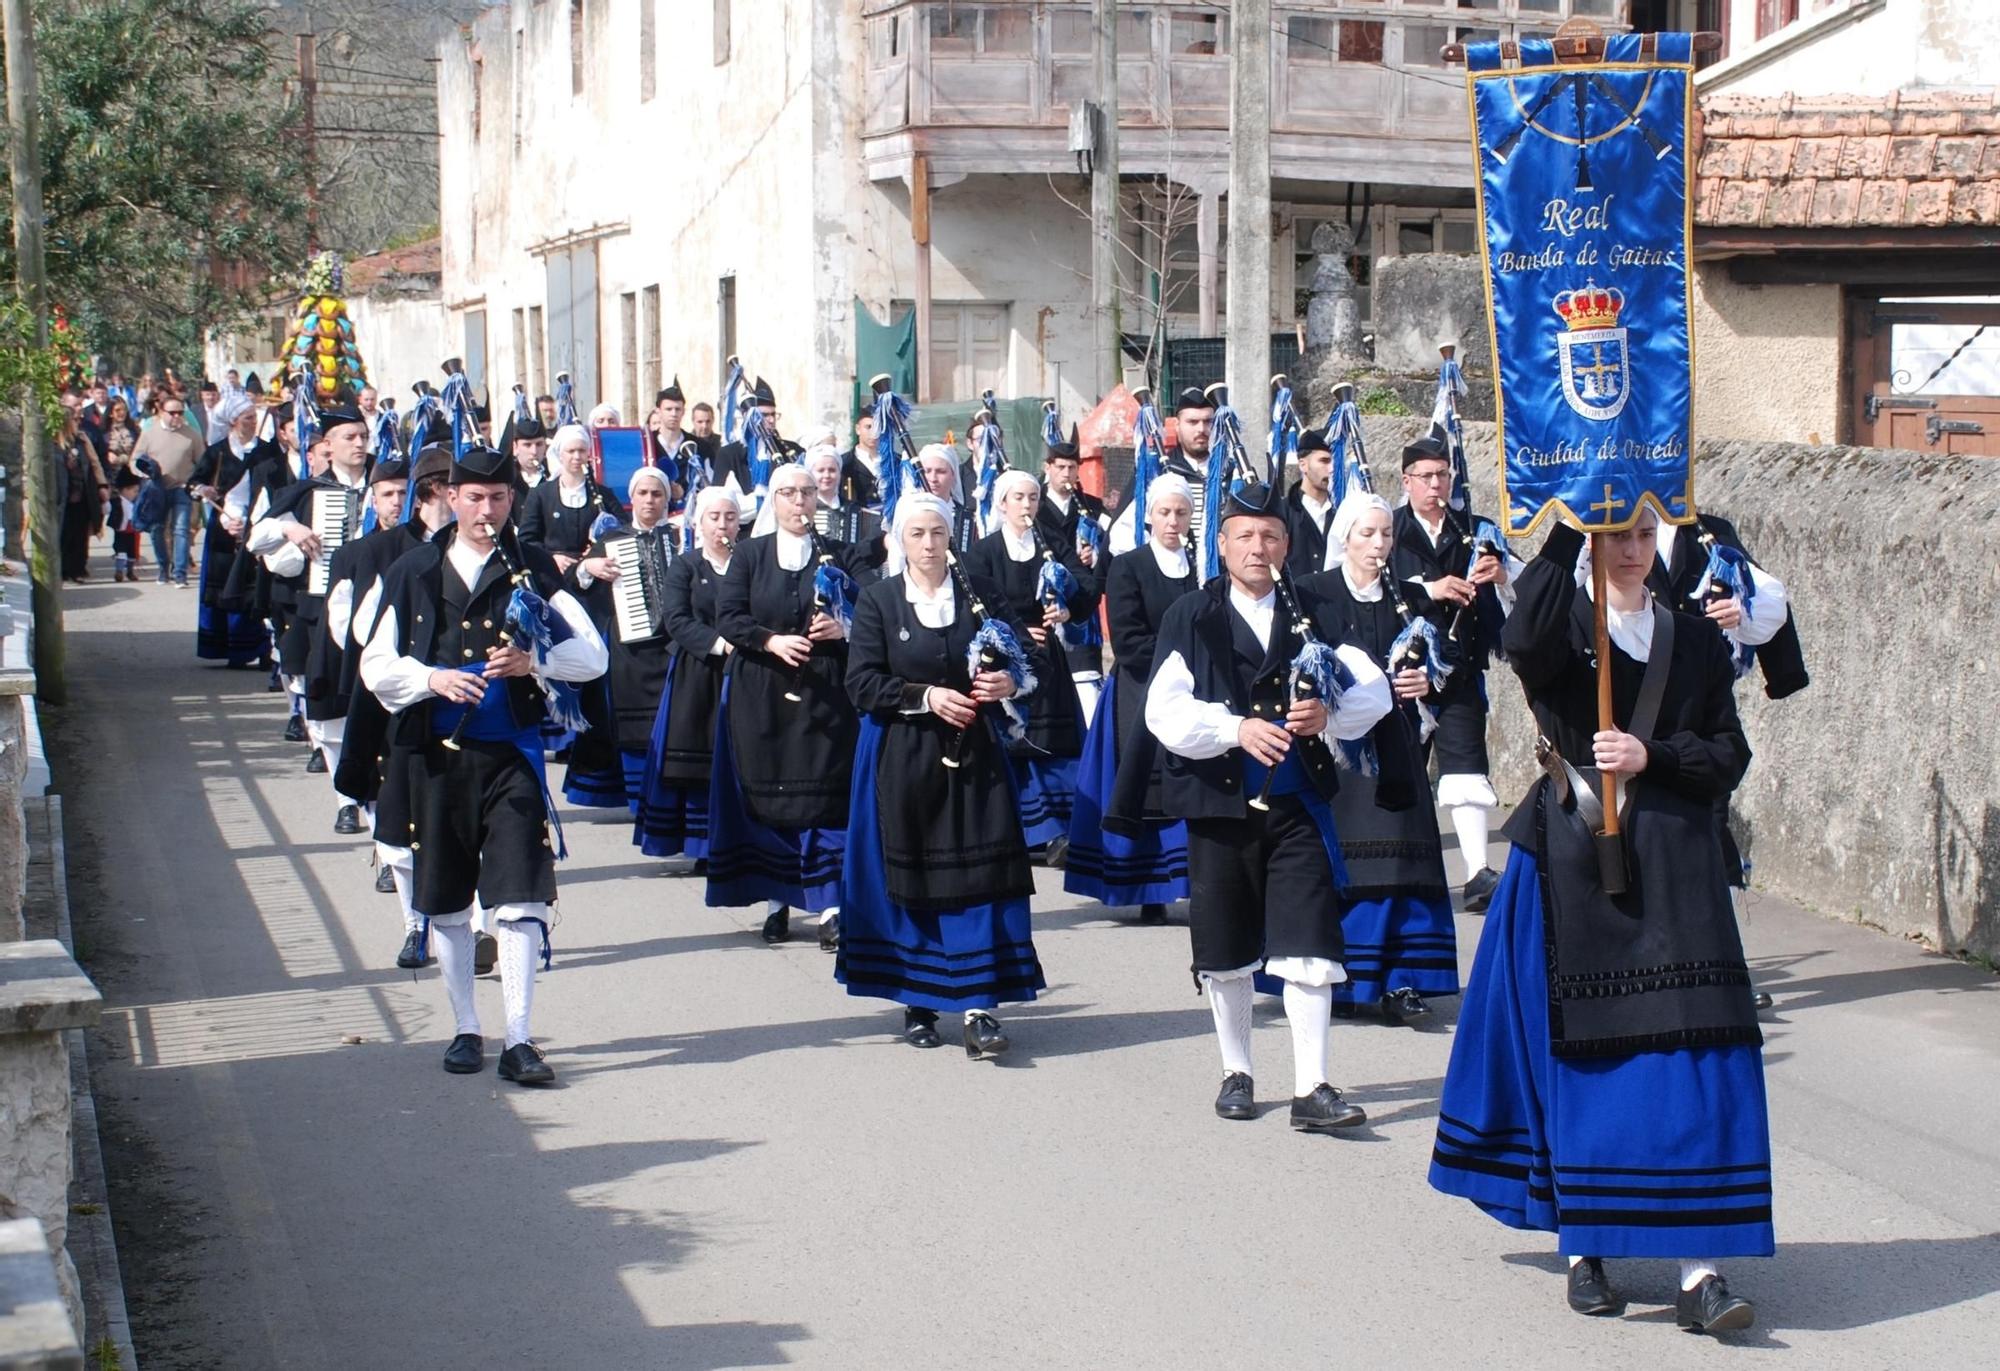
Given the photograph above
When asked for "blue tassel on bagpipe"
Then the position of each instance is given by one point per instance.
(385, 449)
(604, 525)
(305, 417)
(1350, 453)
(1729, 568)
(565, 402)
(420, 420)
(1485, 533)
(1447, 428)
(760, 449)
(732, 400)
(992, 457)
(521, 411)
(1228, 430)
(1085, 632)
(1149, 442)
(892, 421)
(1052, 435)
(1320, 666)
(532, 622)
(458, 408)
(1436, 667)
(836, 592)
(1283, 444)
(995, 636)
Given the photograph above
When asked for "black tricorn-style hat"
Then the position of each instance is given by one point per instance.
(1312, 440)
(672, 392)
(335, 416)
(528, 430)
(390, 469)
(434, 460)
(1193, 398)
(1428, 448)
(482, 466)
(1067, 448)
(760, 393)
(1252, 499)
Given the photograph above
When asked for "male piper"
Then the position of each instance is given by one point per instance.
(1264, 891)
(1309, 508)
(1188, 459)
(467, 706)
(1469, 597)
(1064, 507)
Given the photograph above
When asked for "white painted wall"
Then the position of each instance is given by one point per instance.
(402, 340)
(1860, 47)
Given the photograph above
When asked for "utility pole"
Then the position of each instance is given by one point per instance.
(37, 460)
(1249, 302)
(1104, 227)
(308, 97)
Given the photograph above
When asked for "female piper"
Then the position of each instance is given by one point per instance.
(784, 740)
(1396, 921)
(558, 514)
(1013, 557)
(1607, 1078)
(673, 806)
(638, 674)
(1122, 850)
(937, 873)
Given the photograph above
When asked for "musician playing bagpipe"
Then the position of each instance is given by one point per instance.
(1250, 682)
(680, 753)
(937, 877)
(835, 518)
(622, 580)
(944, 478)
(1190, 459)
(363, 771)
(312, 517)
(1396, 920)
(1069, 514)
(474, 640)
(558, 515)
(785, 744)
(1123, 849)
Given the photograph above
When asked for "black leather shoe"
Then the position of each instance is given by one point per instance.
(1152, 915)
(829, 935)
(466, 1055)
(1324, 1110)
(315, 763)
(1761, 1001)
(522, 1064)
(348, 820)
(295, 729)
(1590, 1291)
(1479, 890)
(983, 1038)
(1055, 853)
(385, 881)
(485, 953)
(1710, 1308)
(920, 1028)
(1238, 1097)
(412, 956)
(1401, 1005)
(778, 927)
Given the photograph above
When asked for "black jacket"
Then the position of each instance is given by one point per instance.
(547, 523)
(1782, 660)
(1307, 555)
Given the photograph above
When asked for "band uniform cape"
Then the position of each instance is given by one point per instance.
(365, 744)
(437, 621)
(937, 878)
(793, 759)
(638, 672)
(1055, 713)
(673, 802)
(1137, 597)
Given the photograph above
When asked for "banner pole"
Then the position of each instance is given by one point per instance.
(1610, 845)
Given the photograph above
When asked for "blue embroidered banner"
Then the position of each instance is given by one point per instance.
(1585, 226)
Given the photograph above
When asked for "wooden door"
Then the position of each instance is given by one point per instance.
(1929, 374)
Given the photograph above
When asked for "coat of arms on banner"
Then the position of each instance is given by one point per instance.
(1596, 371)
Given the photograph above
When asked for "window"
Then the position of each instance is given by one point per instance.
(1070, 33)
(961, 30)
(520, 347)
(649, 342)
(886, 42)
(576, 47)
(648, 42)
(721, 32)
(1309, 40)
(1361, 40)
(572, 320)
(1773, 15)
(1198, 33)
(969, 345)
(628, 356)
(536, 372)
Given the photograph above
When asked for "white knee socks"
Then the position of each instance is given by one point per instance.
(520, 944)
(1230, 1000)
(1310, 1010)
(1471, 823)
(451, 943)
(399, 860)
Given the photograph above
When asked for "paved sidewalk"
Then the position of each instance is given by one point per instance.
(743, 1167)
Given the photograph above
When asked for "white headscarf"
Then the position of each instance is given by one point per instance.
(950, 459)
(1348, 515)
(767, 513)
(1008, 480)
(648, 474)
(553, 463)
(817, 435)
(908, 506)
(604, 414)
(709, 496)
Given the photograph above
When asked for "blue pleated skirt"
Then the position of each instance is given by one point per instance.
(1111, 868)
(1047, 787)
(748, 861)
(1404, 942)
(672, 820)
(603, 787)
(1659, 1154)
(978, 957)
(220, 636)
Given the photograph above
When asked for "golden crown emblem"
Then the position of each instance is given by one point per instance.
(1590, 306)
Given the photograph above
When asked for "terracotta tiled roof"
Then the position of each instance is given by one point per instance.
(425, 259)
(1908, 160)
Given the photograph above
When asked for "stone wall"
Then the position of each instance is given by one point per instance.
(1424, 299)
(1875, 793)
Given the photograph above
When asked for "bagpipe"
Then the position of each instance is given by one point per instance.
(1483, 536)
(992, 453)
(1726, 577)
(1417, 649)
(1286, 429)
(834, 594)
(565, 401)
(895, 450)
(1149, 455)
(1317, 673)
(530, 622)
(993, 648)
(1223, 477)
(1345, 443)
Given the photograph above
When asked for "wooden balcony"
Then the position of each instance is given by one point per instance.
(1357, 92)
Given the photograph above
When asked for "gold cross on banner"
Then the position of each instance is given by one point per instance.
(1599, 368)
(1609, 505)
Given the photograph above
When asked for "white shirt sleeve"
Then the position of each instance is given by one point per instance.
(584, 657)
(267, 534)
(236, 503)
(1766, 614)
(362, 622)
(1365, 703)
(340, 611)
(1186, 725)
(1122, 538)
(397, 681)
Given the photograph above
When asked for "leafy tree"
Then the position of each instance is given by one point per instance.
(173, 176)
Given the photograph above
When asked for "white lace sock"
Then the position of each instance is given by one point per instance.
(1310, 1010)
(451, 944)
(520, 944)
(1230, 1000)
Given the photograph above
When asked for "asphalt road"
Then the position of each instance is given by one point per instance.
(742, 1166)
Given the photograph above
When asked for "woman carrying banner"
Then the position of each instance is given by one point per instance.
(1607, 1080)
(1396, 920)
(673, 805)
(1123, 850)
(1046, 587)
(937, 874)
